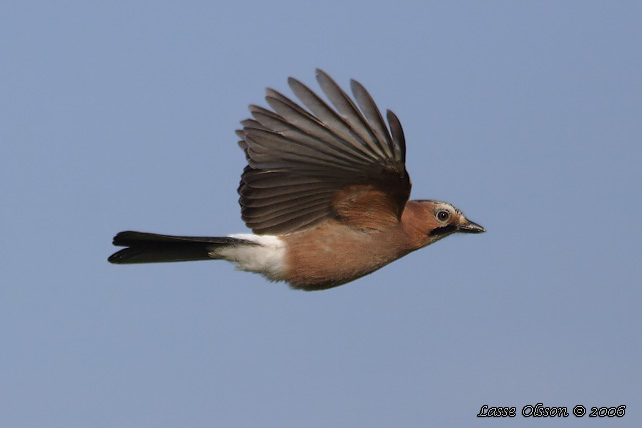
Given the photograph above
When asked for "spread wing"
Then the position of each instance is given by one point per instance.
(305, 166)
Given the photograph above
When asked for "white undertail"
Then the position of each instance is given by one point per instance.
(267, 258)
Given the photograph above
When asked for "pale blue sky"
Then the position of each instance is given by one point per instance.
(121, 115)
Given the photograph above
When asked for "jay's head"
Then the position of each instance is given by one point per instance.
(441, 219)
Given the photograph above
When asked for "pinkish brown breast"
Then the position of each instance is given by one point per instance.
(332, 254)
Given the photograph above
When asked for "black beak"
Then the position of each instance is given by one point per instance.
(471, 227)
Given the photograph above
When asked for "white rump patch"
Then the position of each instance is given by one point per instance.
(267, 257)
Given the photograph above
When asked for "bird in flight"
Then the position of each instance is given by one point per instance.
(325, 192)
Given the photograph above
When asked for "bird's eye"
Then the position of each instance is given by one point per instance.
(443, 215)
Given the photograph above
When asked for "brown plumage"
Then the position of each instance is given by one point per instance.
(325, 192)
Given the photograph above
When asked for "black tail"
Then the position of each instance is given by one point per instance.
(153, 248)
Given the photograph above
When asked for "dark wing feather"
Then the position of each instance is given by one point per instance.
(308, 165)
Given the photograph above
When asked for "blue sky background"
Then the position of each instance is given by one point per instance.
(121, 115)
